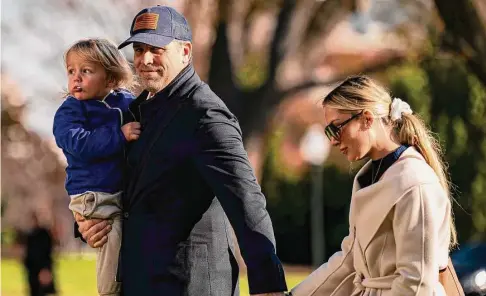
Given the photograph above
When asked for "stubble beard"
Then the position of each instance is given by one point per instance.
(153, 86)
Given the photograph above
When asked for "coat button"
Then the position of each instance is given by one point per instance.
(125, 215)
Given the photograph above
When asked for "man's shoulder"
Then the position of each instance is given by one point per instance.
(208, 106)
(204, 98)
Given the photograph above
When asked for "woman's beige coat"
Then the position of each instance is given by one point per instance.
(398, 239)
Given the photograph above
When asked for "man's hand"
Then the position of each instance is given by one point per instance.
(45, 277)
(94, 231)
(131, 131)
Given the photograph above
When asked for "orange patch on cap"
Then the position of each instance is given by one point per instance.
(146, 21)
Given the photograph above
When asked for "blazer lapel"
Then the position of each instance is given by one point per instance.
(177, 94)
(149, 137)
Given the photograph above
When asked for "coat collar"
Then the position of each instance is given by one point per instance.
(182, 84)
(372, 204)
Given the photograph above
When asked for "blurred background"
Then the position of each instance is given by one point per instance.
(272, 62)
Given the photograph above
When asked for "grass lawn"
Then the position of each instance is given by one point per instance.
(75, 276)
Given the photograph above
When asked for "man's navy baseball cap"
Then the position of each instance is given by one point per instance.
(158, 26)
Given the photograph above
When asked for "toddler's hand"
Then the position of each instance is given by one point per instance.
(131, 131)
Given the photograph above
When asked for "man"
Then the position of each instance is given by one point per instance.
(176, 238)
(39, 244)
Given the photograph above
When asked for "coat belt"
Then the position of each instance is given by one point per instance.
(361, 283)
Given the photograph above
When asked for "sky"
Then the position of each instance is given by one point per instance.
(35, 34)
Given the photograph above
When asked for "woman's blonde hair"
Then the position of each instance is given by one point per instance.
(105, 53)
(358, 93)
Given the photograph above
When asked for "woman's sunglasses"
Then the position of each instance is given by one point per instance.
(334, 131)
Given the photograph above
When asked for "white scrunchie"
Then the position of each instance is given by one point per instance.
(399, 107)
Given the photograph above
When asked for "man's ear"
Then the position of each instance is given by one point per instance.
(367, 119)
(187, 52)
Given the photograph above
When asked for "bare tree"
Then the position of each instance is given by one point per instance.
(300, 27)
(32, 173)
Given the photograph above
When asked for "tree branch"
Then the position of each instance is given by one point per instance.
(220, 76)
(299, 24)
(397, 59)
(277, 50)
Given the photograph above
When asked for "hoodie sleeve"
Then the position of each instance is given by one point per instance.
(72, 136)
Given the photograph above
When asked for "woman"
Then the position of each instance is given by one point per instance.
(401, 226)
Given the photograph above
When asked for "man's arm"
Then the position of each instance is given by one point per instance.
(223, 162)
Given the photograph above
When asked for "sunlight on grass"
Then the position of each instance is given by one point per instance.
(75, 276)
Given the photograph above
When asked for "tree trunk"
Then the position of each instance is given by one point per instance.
(221, 77)
(465, 24)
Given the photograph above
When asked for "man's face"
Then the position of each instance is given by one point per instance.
(156, 66)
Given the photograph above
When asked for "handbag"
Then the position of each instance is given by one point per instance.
(449, 280)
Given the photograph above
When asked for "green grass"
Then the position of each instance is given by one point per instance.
(75, 276)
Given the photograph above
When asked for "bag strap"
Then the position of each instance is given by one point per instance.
(449, 280)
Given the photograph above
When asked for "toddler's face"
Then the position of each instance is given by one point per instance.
(86, 80)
